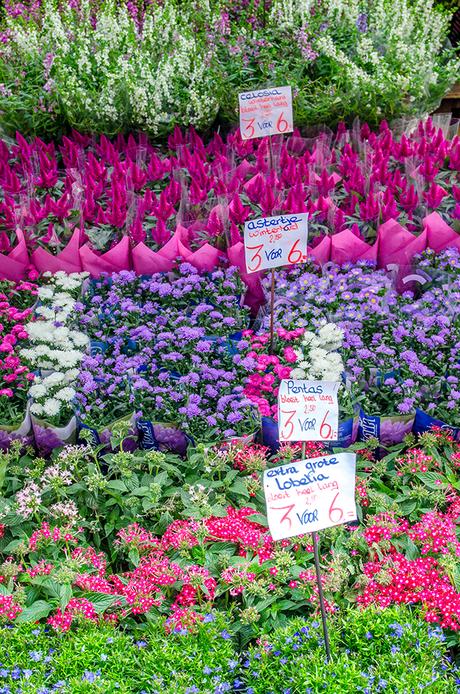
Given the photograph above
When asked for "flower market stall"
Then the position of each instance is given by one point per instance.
(168, 283)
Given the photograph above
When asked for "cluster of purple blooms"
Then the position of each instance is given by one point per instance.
(164, 350)
(401, 348)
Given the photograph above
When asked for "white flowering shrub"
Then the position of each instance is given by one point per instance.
(105, 73)
(346, 58)
(103, 68)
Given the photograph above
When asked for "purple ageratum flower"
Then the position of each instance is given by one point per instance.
(361, 23)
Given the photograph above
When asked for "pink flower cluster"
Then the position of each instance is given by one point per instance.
(415, 460)
(262, 386)
(136, 536)
(76, 607)
(13, 374)
(413, 581)
(9, 609)
(143, 195)
(48, 535)
(434, 533)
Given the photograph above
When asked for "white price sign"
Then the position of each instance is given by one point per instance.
(266, 112)
(275, 241)
(308, 410)
(310, 495)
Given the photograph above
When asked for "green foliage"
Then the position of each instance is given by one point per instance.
(373, 650)
(102, 658)
(391, 650)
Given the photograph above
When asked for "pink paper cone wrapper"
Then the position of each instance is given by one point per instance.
(439, 234)
(346, 247)
(147, 262)
(205, 258)
(19, 252)
(396, 244)
(13, 265)
(372, 252)
(322, 252)
(115, 260)
(68, 259)
(175, 248)
(11, 269)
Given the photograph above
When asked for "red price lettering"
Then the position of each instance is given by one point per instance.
(325, 430)
(288, 423)
(256, 257)
(286, 515)
(281, 124)
(334, 510)
(249, 126)
(295, 255)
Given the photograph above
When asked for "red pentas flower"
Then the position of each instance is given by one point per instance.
(251, 458)
(180, 534)
(236, 527)
(435, 533)
(412, 581)
(9, 608)
(384, 527)
(48, 535)
(77, 607)
(89, 556)
(415, 460)
(43, 568)
(136, 536)
(455, 459)
(362, 491)
(294, 451)
(182, 618)
(441, 434)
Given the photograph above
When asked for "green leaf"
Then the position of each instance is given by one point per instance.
(141, 491)
(118, 485)
(134, 556)
(2, 471)
(38, 610)
(456, 578)
(13, 545)
(65, 594)
(239, 487)
(407, 506)
(258, 518)
(102, 601)
(161, 478)
(52, 588)
(432, 479)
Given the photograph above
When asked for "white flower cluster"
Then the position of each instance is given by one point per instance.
(51, 393)
(317, 355)
(109, 71)
(393, 48)
(29, 499)
(57, 347)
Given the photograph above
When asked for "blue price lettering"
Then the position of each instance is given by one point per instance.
(308, 517)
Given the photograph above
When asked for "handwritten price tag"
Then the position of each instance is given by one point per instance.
(310, 495)
(275, 241)
(308, 410)
(266, 112)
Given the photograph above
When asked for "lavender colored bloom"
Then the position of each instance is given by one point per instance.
(361, 23)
